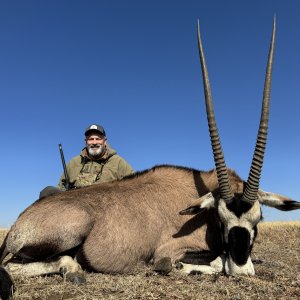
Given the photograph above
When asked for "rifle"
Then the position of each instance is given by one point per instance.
(66, 182)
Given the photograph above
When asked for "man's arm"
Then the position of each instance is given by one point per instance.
(73, 169)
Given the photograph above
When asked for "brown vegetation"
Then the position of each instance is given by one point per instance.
(276, 257)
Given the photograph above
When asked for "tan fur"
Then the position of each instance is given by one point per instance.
(115, 225)
(63, 265)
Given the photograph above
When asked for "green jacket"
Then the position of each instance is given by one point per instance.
(82, 171)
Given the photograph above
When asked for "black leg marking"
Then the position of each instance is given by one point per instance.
(6, 285)
(41, 251)
(194, 272)
(199, 257)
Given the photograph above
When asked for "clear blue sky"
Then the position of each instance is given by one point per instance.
(133, 67)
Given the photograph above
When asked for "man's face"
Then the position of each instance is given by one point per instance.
(95, 144)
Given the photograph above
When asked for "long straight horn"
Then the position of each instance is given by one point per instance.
(250, 193)
(223, 179)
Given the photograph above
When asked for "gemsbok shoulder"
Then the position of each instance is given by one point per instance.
(197, 221)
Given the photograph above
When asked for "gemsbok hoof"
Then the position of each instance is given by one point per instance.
(178, 265)
(163, 266)
(75, 278)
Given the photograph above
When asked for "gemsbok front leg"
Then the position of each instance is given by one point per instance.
(64, 265)
(214, 267)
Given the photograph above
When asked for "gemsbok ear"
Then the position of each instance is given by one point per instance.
(278, 201)
(205, 202)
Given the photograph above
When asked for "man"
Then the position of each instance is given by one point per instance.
(97, 162)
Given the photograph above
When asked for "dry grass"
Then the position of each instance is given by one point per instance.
(276, 255)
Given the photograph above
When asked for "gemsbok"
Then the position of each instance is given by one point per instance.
(197, 221)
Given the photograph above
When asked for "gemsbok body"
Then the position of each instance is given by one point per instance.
(198, 221)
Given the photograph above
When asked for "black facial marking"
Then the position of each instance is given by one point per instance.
(239, 245)
(239, 207)
(254, 237)
(225, 245)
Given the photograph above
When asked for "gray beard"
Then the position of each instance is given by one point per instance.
(95, 152)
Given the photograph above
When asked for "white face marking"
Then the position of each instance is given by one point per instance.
(233, 269)
(207, 201)
(248, 221)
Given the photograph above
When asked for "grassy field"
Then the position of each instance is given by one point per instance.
(276, 256)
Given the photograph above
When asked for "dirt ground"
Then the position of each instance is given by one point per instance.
(276, 257)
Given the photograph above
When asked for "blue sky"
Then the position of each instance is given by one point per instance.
(133, 67)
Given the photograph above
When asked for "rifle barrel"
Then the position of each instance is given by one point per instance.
(67, 181)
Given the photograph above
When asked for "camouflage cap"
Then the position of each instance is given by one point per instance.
(96, 128)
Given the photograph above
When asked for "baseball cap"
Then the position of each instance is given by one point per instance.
(95, 127)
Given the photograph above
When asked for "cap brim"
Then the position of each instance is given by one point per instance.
(95, 131)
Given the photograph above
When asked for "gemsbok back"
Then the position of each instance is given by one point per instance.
(194, 220)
